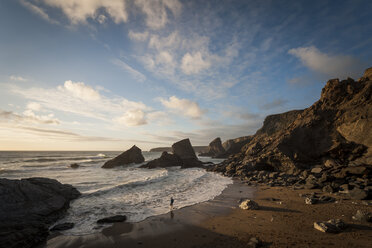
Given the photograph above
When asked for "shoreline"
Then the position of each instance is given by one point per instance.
(283, 220)
(184, 222)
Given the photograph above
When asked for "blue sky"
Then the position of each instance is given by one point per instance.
(104, 75)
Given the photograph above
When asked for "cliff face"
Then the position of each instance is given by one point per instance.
(214, 148)
(337, 129)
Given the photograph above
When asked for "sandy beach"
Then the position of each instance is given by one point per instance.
(283, 220)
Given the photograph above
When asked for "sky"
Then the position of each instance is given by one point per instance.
(104, 75)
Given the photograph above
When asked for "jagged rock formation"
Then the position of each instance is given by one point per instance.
(183, 155)
(328, 145)
(214, 148)
(28, 207)
(233, 146)
(337, 129)
(133, 155)
(197, 149)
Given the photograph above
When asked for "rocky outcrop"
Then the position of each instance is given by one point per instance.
(165, 160)
(183, 155)
(197, 149)
(28, 207)
(234, 146)
(133, 155)
(214, 149)
(336, 130)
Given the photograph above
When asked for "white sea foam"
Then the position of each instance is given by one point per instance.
(135, 192)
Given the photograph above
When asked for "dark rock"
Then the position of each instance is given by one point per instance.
(28, 207)
(133, 155)
(166, 160)
(112, 219)
(311, 200)
(62, 226)
(362, 216)
(331, 226)
(214, 149)
(325, 198)
(74, 165)
(183, 149)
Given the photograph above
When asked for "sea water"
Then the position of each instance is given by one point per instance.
(125, 190)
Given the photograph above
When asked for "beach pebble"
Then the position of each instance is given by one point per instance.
(249, 205)
(253, 242)
(362, 216)
(331, 226)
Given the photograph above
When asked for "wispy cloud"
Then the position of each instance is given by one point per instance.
(17, 78)
(38, 11)
(28, 116)
(330, 65)
(274, 104)
(135, 74)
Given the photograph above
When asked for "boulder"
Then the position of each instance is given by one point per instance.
(331, 226)
(316, 170)
(112, 219)
(357, 194)
(166, 160)
(28, 207)
(249, 205)
(214, 149)
(311, 200)
(133, 155)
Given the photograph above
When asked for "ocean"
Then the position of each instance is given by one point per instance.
(126, 190)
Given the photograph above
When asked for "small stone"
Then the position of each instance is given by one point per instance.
(253, 242)
(316, 170)
(311, 200)
(362, 216)
(331, 226)
(249, 205)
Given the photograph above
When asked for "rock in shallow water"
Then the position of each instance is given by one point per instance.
(249, 205)
(112, 219)
(133, 155)
(28, 207)
(62, 226)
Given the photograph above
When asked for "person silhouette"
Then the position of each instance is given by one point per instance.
(171, 203)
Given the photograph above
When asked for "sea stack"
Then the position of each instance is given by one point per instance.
(215, 148)
(133, 155)
(183, 155)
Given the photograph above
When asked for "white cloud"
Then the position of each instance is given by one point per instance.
(135, 74)
(28, 117)
(183, 106)
(156, 11)
(194, 63)
(17, 78)
(78, 11)
(80, 90)
(327, 64)
(138, 36)
(131, 118)
(34, 106)
(80, 99)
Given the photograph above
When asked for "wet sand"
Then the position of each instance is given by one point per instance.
(287, 222)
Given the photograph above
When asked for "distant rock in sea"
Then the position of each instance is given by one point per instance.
(183, 155)
(197, 149)
(133, 155)
(215, 148)
(28, 207)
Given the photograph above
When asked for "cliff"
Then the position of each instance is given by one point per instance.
(335, 130)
